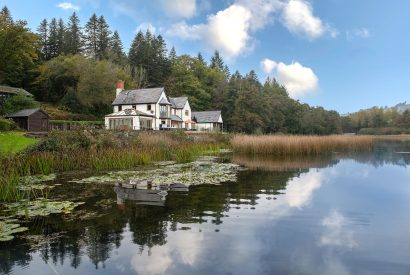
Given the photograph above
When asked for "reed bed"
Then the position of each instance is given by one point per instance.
(300, 145)
(96, 151)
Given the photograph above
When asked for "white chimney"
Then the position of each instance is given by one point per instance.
(120, 87)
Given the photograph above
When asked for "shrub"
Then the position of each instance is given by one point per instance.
(7, 124)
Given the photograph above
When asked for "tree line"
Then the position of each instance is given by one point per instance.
(76, 66)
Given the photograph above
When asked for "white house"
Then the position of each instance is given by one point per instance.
(180, 113)
(139, 109)
(208, 120)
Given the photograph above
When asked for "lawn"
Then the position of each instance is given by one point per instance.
(13, 142)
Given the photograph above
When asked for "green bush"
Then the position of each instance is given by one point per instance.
(7, 124)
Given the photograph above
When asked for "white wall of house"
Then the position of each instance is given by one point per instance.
(209, 126)
(184, 114)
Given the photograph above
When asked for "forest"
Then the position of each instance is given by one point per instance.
(74, 67)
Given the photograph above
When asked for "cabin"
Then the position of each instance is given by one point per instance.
(7, 91)
(210, 121)
(32, 120)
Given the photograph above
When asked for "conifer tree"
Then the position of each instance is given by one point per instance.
(42, 31)
(91, 36)
(217, 62)
(103, 38)
(53, 39)
(116, 49)
(172, 54)
(201, 58)
(73, 37)
(60, 37)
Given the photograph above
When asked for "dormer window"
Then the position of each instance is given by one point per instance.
(134, 107)
(149, 107)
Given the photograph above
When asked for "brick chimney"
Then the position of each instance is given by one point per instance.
(120, 87)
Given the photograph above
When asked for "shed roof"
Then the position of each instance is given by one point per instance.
(26, 113)
(129, 112)
(206, 116)
(140, 96)
(178, 102)
(13, 90)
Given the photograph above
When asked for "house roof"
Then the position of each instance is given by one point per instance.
(26, 113)
(164, 101)
(129, 112)
(206, 116)
(13, 90)
(176, 118)
(178, 102)
(140, 96)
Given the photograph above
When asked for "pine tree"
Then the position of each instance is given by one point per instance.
(61, 37)
(227, 71)
(116, 49)
(217, 62)
(73, 41)
(5, 15)
(103, 38)
(91, 36)
(42, 31)
(201, 58)
(53, 39)
(172, 54)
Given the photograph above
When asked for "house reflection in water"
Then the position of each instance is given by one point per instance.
(145, 194)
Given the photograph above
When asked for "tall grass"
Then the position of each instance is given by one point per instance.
(101, 150)
(300, 145)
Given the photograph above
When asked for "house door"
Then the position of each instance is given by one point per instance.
(44, 124)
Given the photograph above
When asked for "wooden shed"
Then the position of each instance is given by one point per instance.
(33, 120)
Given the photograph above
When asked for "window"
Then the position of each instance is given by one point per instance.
(134, 107)
(187, 112)
(149, 107)
(119, 108)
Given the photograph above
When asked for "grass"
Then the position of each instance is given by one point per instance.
(300, 145)
(13, 142)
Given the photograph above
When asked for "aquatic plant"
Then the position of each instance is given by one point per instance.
(300, 145)
(8, 228)
(41, 207)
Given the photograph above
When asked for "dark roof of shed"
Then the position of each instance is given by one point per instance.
(178, 102)
(26, 113)
(13, 90)
(206, 116)
(140, 96)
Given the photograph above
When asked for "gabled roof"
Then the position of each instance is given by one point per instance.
(13, 90)
(164, 101)
(178, 102)
(206, 116)
(26, 113)
(176, 118)
(140, 96)
(129, 112)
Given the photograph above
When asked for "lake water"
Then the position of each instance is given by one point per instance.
(336, 215)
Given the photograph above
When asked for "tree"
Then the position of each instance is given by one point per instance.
(53, 39)
(18, 102)
(19, 49)
(73, 41)
(103, 38)
(172, 55)
(42, 31)
(217, 62)
(116, 50)
(91, 37)
(61, 37)
(201, 58)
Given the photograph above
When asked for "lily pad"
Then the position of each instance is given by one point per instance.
(8, 228)
(37, 179)
(42, 207)
(203, 171)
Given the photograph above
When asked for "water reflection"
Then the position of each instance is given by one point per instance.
(318, 216)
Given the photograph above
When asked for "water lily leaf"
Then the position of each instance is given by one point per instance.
(8, 229)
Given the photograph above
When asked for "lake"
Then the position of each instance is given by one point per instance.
(341, 214)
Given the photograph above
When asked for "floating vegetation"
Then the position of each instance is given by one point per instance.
(37, 179)
(8, 228)
(203, 171)
(42, 207)
(39, 187)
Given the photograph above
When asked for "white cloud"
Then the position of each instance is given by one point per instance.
(298, 18)
(180, 8)
(144, 26)
(268, 65)
(337, 233)
(68, 6)
(226, 31)
(299, 191)
(298, 79)
(359, 33)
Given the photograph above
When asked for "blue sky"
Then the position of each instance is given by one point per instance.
(341, 54)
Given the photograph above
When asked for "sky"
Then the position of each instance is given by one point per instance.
(344, 55)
